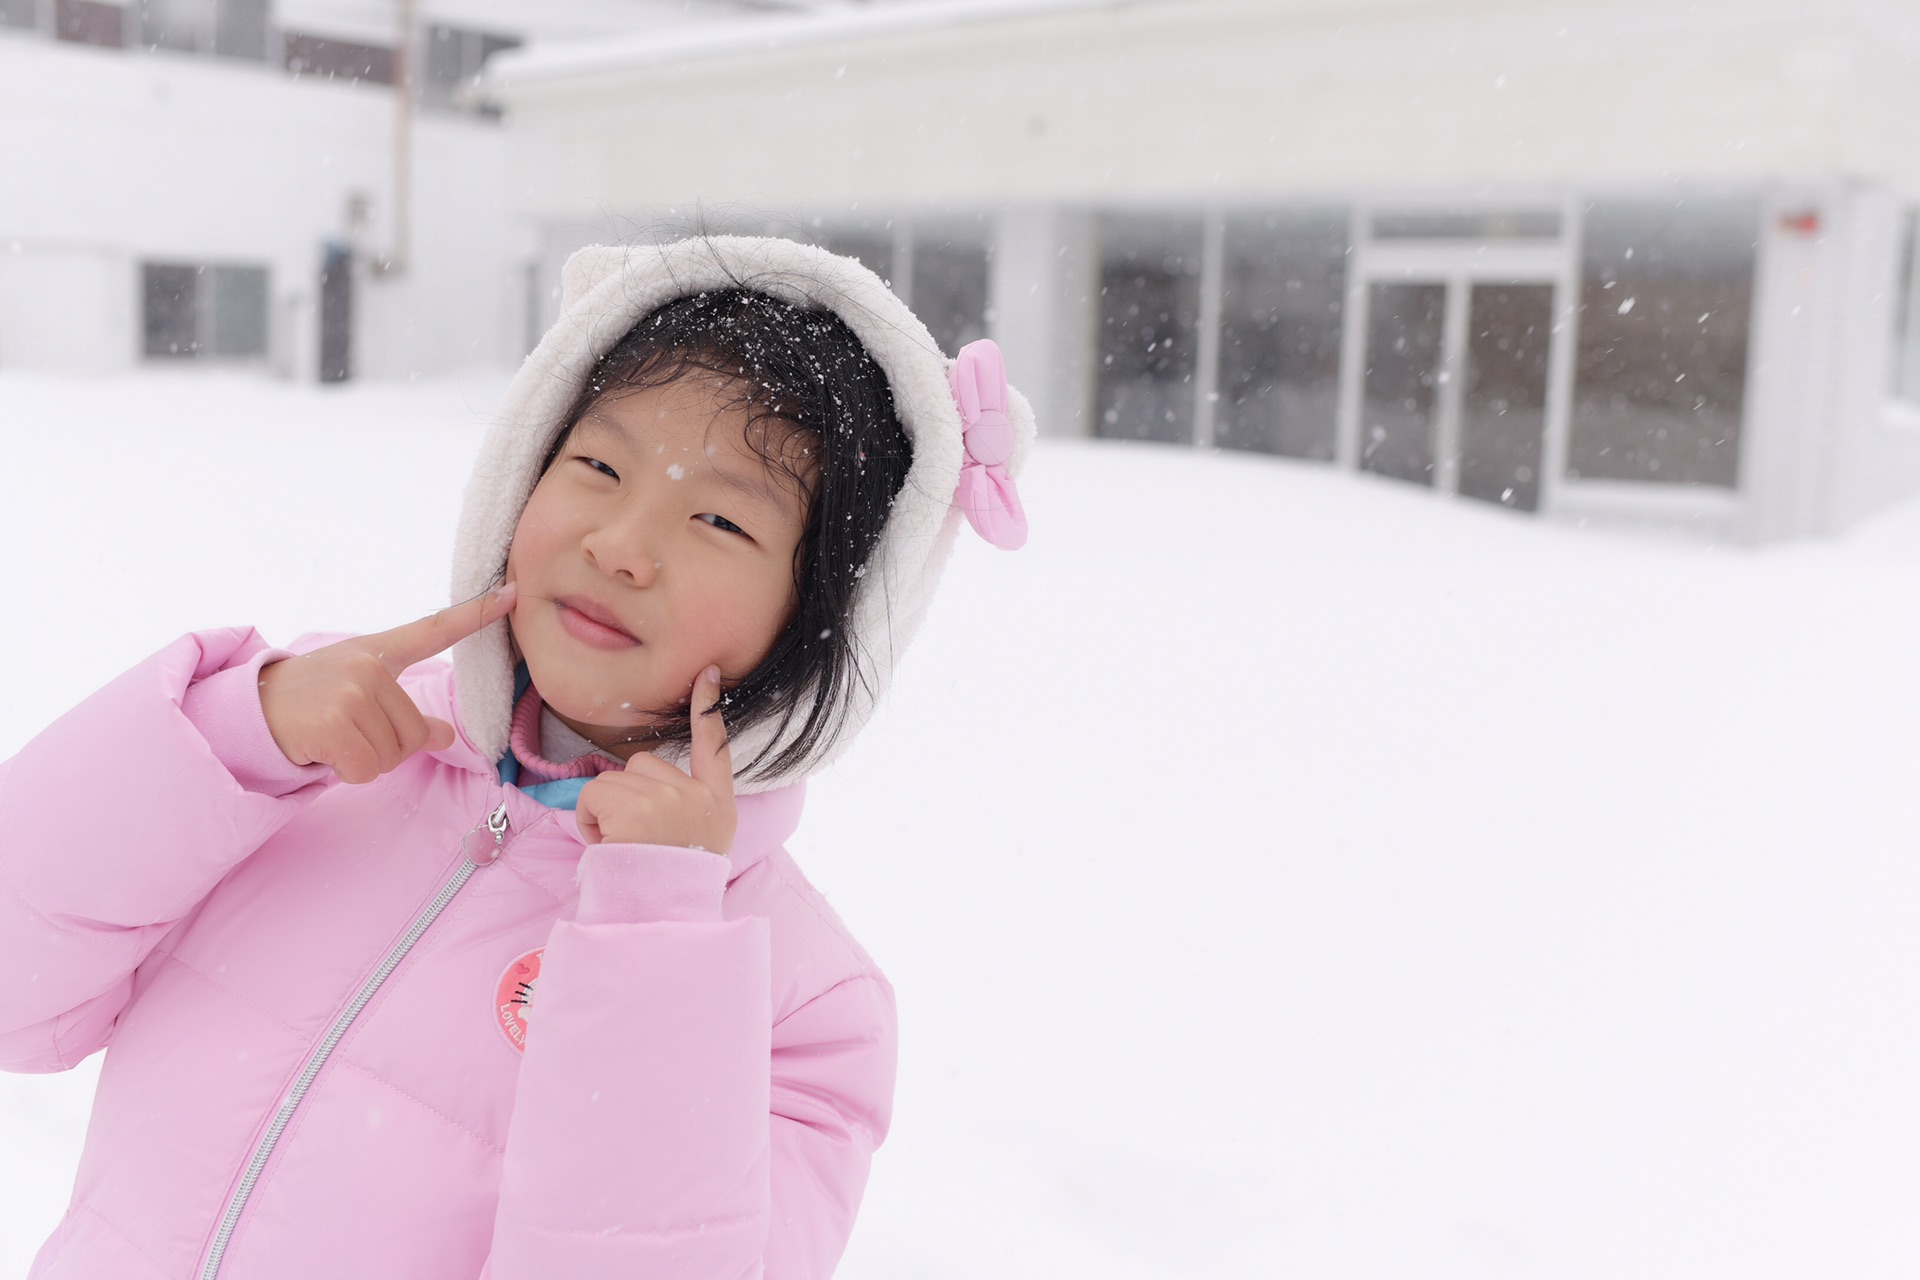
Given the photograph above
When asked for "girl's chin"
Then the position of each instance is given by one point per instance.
(619, 730)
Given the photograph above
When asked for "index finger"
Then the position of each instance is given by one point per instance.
(420, 639)
(710, 762)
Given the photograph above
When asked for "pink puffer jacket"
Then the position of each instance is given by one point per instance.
(413, 1029)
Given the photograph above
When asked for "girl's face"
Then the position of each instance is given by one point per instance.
(657, 543)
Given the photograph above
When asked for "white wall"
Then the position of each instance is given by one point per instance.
(462, 300)
(1221, 97)
(1876, 443)
(111, 158)
(1820, 448)
(67, 308)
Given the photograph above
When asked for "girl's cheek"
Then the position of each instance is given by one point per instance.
(702, 628)
(534, 537)
(714, 628)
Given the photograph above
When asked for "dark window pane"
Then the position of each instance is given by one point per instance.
(337, 59)
(1503, 413)
(240, 29)
(450, 58)
(20, 13)
(1405, 323)
(1284, 293)
(874, 249)
(175, 24)
(490, 45)
(336, 314)
(1660, 382)
(170, 311)
(1149, 327)
(239, 320)
(446, 64)
(950, 290)
(86, 22)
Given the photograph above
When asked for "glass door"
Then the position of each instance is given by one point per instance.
(1406, 367)
(1454, 390)
(1503, 395)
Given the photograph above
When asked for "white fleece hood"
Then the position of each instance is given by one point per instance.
(605, 292)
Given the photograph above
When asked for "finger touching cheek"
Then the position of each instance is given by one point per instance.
(586, 814)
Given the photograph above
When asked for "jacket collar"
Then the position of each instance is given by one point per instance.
(767, 818)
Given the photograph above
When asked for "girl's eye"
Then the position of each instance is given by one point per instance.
(721, 522)
(600, 466)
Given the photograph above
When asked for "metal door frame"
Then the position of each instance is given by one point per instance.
(1459, 265)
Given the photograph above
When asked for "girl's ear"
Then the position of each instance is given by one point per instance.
(587, 267)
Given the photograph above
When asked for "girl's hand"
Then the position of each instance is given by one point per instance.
(653, 802)
(343, 707)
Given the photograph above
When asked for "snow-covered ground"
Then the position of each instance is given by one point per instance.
(1283, 873)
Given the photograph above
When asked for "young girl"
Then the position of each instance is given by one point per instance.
(499, 969)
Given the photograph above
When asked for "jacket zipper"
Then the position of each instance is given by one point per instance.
(487, 852)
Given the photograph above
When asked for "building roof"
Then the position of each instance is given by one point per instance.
(722, 30)
(551, 20)
(971, 103)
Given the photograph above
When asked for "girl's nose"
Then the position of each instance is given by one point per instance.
(621, 549)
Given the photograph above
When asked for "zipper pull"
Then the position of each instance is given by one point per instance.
(480, 852)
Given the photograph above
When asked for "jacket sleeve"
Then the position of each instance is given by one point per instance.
(662, 1124)
(116, 821)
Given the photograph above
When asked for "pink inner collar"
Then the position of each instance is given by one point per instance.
(526, 745)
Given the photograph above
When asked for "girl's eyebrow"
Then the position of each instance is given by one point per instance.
(757, 487)
(593, 420)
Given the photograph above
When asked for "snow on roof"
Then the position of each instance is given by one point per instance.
(746, 33)
(376, 21)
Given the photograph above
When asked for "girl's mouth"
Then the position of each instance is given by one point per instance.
(592, 624)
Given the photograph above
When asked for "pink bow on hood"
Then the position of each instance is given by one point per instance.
(987, 493)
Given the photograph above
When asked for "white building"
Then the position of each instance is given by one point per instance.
(1606, 259)
(194, 181)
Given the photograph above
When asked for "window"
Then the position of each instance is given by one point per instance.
(336, 313)
(1503, 403)
(872, 247)
(1400, 397)
(1149, 327)
(199, 311)
(20, 13)
(328, 59)
(240, 29)
(176, 24)
(1906, 312)
(170, 310)
(939, 270)
(1660, 376)
(229, 28)
(949, 288)
(453, 58)
(89, 22)
(1283, 297)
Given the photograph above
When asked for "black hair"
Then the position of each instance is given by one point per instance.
(820, 415)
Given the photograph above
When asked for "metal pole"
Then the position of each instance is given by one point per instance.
(395, 261)
(1206, 382)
